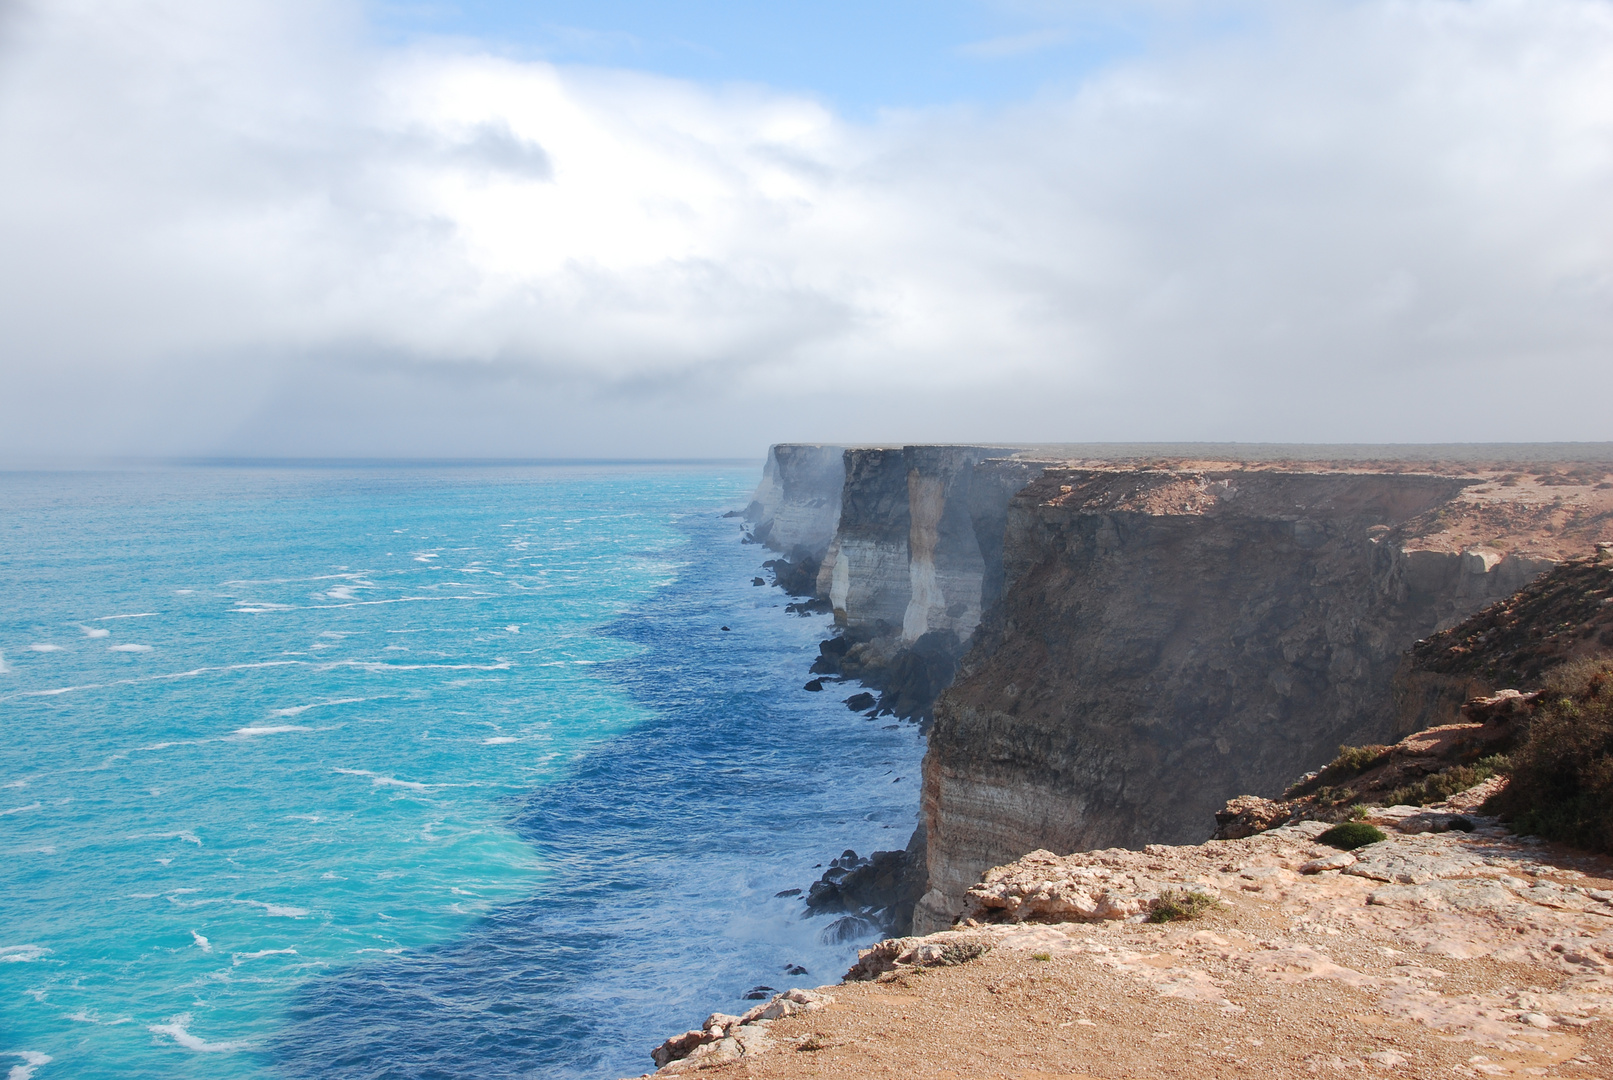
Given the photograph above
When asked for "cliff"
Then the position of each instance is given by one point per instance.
(1169, 638)
(1133, 635)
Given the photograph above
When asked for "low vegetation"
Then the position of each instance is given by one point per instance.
(1176, 904)
(1561, 785)
(1351, 835)
(961, 952)
(1447, 782)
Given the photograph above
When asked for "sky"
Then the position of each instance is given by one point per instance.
(290, 228)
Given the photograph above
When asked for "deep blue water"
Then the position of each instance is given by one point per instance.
(406, 772)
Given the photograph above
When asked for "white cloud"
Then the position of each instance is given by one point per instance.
(246, 228)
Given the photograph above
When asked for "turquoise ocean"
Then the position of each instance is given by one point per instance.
(426, 770)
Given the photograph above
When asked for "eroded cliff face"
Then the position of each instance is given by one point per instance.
(1170, 638)
(796, 508)
(907, 559)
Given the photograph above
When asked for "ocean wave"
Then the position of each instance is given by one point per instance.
(201, 942)
(499, 740)
(376, 666)
(184, 834)
(276, 729)
(21, 954)
(138, 615)
(95, 631)
(298, 710)
(31, 1060)
(128, 648)
(278, 911)
(177, 1029)
(21, 809)
(237, 959)
(44, 646)
(388, 781)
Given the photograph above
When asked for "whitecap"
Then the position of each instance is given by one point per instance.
(84, 1016)
(128, 648)
(297, 710)
(279, 729)
(44, 646)
(513, 628)
(95, 631)
(175, 1029)
(185, 835)
(32, 1060)
(139, 615)
(237, 959)
(60, 690)
(499, 740)
(386, 781)
(20, 809)
(5, 669)
(21, 954)
(201, 942)
(278, 911)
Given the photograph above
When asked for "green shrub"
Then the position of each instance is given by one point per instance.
(1042, 956)
(1447, 782)
(1353, 760)
(1177, 904)
(961, 952)
(1562, 773)
(1351, 835)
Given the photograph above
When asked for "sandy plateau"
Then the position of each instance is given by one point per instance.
(1429, 954)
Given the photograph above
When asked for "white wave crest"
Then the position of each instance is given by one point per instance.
(201, 942)
(499, 740)
(275, 729)
(297, 710)
(20, 809)
(138, 615)
(386, 781)
(128, 648)
(176, 1029)
(31, 1060)
(21, 954)
(278, 911)
(44, 646)
(237, 959)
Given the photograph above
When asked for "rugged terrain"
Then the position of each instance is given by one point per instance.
(1429, 954)
(1170, 637)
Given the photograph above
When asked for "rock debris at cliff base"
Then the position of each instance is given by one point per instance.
(1428, 955)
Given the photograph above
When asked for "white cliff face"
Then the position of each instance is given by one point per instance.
(796, 507)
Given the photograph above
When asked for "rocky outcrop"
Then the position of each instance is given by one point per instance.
(872, 895)
(1169, 638)
(1430, 953)
(724, 1038)
(1563, 616)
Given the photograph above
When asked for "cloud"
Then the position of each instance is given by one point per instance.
(999, 48)
(250, 229)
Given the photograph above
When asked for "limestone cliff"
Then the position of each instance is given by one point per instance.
(1168, 638)
(796, 508)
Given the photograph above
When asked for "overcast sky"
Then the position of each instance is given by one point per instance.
(651, 229)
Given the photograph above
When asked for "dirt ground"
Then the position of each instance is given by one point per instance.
(1486, 956)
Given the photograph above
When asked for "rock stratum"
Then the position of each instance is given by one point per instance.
(1111, 642)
